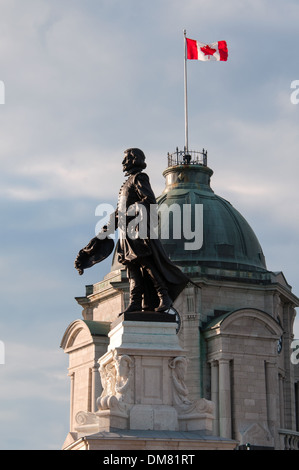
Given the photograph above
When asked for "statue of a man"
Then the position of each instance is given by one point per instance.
(155, 281)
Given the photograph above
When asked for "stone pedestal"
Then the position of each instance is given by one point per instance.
(143, 379)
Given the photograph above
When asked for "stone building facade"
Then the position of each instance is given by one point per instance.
(235, 320)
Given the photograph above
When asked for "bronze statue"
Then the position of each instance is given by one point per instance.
(155, 282)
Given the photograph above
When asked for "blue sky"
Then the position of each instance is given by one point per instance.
(83, 82)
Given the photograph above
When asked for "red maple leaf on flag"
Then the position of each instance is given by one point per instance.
(208, 50)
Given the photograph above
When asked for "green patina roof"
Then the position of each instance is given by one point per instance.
(97, 328)
(216, 321)
(228, 240)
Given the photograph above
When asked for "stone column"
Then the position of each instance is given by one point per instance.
(95, 386)
(271, 390)
(297, 405)
(281, 401)
(225, 422)
(215, 394)
(72, 387)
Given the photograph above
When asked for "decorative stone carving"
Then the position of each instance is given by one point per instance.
(124, 377)
(116, 377)
(257, 434)
(84, 418)
(143, 380)
(191, 414)
(180, 392)
(113, 408)
(108, 379)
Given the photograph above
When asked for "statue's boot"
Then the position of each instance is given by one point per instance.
(133, 307)
(136, 290)
(165, 301)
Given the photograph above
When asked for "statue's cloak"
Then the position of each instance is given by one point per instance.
(131, 247)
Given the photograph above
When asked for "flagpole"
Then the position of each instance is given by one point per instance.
(185, 94)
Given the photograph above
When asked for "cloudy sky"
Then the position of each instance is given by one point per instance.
(86, 80)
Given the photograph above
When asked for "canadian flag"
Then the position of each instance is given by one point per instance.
(199, 51)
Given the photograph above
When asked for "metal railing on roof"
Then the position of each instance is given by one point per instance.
(190, 157)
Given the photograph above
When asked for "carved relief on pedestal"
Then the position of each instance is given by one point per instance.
(117, 380)
(189, 412)
(144, 387)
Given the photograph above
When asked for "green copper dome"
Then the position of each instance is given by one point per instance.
(226, 240)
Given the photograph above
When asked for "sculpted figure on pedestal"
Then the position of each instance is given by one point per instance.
(180, 392)
(155, 282)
